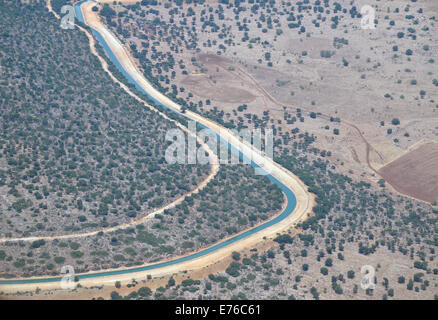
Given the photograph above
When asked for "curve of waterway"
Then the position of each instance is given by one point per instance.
(300, 207)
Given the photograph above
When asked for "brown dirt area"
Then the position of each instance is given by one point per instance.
(217, 82)
(415, 173)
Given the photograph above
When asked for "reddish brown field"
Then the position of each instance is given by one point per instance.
(415, 173)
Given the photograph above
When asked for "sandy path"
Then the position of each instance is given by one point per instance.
(305, 200)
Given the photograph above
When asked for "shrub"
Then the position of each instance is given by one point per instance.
(59, 260)
(284, 238)
(144, 292)
(37, 244)
(76, 254)
(233, 269)
(235, 255)
(116, 296)
(395, 121)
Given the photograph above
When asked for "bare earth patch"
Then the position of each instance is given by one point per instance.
(415, 173)
(205, 88)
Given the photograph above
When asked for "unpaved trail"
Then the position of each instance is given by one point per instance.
(304, 200)
(243, 74)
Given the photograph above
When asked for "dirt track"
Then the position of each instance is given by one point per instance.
(214, 164)
(243, 74)
(305, 200)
